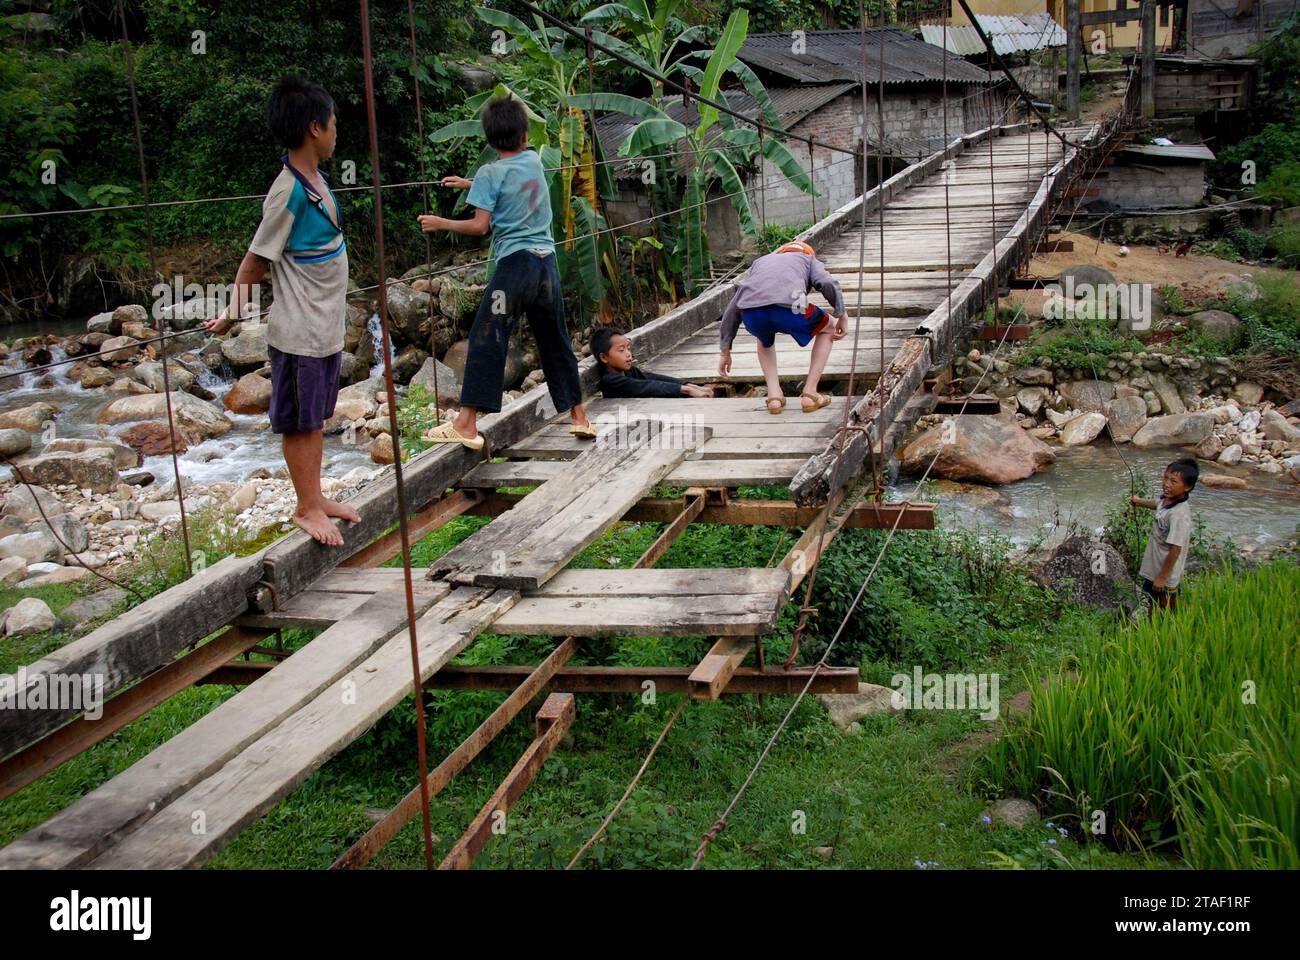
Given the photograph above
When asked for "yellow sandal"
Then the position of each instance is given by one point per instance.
(819, 400)
(583, 431)
(780, 405)
(446, 433)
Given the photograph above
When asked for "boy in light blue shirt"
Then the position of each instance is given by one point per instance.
(510, 198)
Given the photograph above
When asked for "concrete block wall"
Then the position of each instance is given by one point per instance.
(1150, 187)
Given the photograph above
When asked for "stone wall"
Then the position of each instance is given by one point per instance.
(1169, 186)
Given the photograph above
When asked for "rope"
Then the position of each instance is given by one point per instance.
(395, 433)
(153, 268)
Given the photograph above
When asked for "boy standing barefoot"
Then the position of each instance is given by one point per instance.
(300, 241)
(1171, 533)
(511, 201)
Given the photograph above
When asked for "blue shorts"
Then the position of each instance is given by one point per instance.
(766, 322)
(303, 391)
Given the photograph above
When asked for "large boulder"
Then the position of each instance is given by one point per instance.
(96, 469)
(12, 570)
(1176, 430)
(455, 357)
(1125, 416)
(250, 394)
(1089, 572)
(448, 382)
(1086, 279)
(30, 418)
(28, 616)
(150, 373)
(846, 709)
(1247, 393)
(103, 323)
(1083, 429)
(94, 377)
(119, 349)
(987, 449)
(153, 438)
(1090, 396)
(14, 442)
(93, 606)
(459, 301)
(125, 456)
(409, 315)
(65, 530)
(23, 501)
(1170, 399)
(197, 419)
(1216, 324)
(1277, 427)
(32, 547)
(248, 350)
(409, 362)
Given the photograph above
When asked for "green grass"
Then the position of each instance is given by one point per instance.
(1203, 695)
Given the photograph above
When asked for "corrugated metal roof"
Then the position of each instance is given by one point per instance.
(791, 104)
(838, 55)
(1010, 34)
(1179, 151)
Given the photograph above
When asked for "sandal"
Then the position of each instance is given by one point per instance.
(819, 400)
(780, 405)
(446, 433)
(583, 431)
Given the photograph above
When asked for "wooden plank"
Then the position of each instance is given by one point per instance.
(142, 639)
(706, 473)
(565, 446)
(310, 610)
(99, 819)
(654, 616)
(527, 546)
(748, 680)
(711, 676)
(250, 783)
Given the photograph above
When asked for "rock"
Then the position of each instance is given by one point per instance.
(1125, 416)
(448, 382)
(119, 349)
(1180, 429)
(516, 368)
(31, 418)
(1084, 273)
(1209, 448)
(1170, 401)
(458, 300)
(1030, 399)
(250, 394)
(1222, 482)
(96, 469)
(61, 575)
(1014, 813)
(102, 323)
(12, 569)
(1045, 432)
(1249, 421)
(248, 350)
(28, 616)
(197, 419)
(152, 439)
(150, 373)
(847, 708)
(1034, 376)
(411, 359)
(94, 606)
(66, 530)
(1231, 455)
(1082, 429)
(409, 316)
(1087, 395)
(125, 457)
(454, 358)
(130, 313)
(1292, 467)
(93, 377)
(1227, 413)
(1290, 409)
(14, 442)
(381, 450)
(1247, 393)
(1216, 324)
(22, 503)
(1124, 390)
(1088, 571)
(1277, 427)
(31, 547)
(981, 448)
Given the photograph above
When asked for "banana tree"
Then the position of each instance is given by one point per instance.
(544, 80)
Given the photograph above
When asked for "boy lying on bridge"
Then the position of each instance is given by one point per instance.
(513, 203)
(772, 298)
(619, 377)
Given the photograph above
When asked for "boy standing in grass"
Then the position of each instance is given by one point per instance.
(1166, 553)
(300, 241)
(511, 200)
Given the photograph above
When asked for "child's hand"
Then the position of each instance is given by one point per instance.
(429, 222)
(841, 328)
(724, 363)
(459, 183)
(218, 325)
(1159, 583)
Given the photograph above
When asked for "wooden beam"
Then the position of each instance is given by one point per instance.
(712, 674)
(1005, 331)
(1073, 53)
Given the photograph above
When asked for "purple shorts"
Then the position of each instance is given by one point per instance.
(303, 391)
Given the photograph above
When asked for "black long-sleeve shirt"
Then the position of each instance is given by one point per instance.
(639, 383)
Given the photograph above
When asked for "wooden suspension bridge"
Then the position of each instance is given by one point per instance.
(987, 198)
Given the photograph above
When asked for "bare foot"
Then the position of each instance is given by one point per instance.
(340, 511)
(319, 527)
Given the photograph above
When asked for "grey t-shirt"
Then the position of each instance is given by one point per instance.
(1172, 527)
(299, 234)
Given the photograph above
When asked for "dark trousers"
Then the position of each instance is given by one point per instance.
(1153, 599)
(523, 283)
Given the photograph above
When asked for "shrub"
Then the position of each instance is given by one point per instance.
(1284, 241)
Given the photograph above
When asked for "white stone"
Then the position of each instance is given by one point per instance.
(28, 616)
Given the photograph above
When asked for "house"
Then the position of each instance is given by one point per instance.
(1228, 29)
(817, 90)
(1148, 176)
(1117, 35)
(1031, 45)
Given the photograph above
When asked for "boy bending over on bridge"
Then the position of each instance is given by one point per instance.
(619, 377)
(300, 240)
(772, 298)
(513, 203)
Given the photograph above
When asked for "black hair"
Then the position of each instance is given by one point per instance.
(294, 104)
(1187, 470)
(602, 340)
(504, 122)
